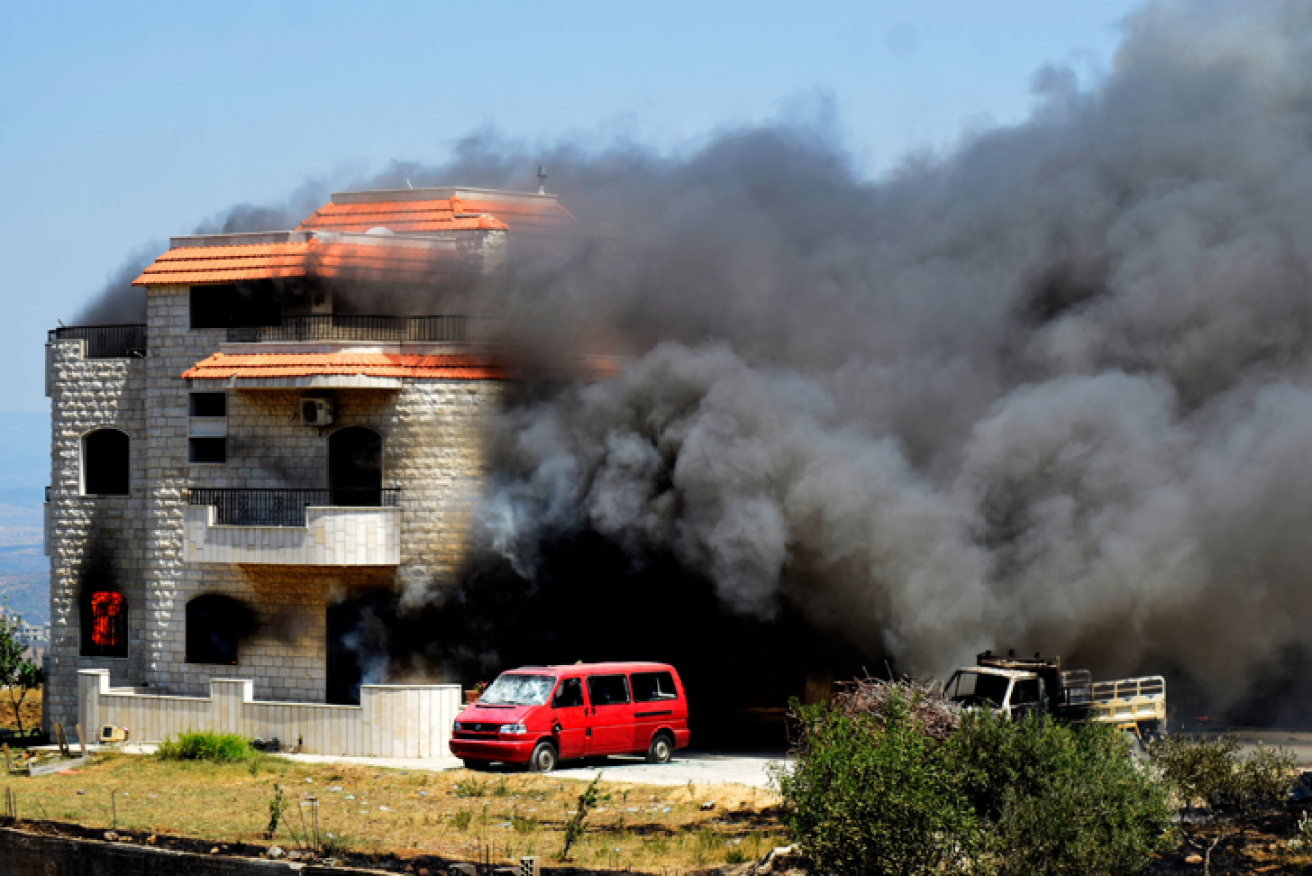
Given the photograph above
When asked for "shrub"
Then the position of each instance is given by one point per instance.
(1059, 798)
(204, 745)
(871, 795)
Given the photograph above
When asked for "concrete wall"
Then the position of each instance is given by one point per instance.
(330, 537)
(391, 720)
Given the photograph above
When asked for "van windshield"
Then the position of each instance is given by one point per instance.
(519, 690)
(978, 689)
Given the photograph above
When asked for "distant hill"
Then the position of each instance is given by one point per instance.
(24, 473)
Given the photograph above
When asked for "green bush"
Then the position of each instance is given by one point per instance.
(876, 794)
(1212, 773)
(1059, 798)
(871, 796)
(205, 745)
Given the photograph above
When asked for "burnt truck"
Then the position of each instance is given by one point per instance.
(1014, 686)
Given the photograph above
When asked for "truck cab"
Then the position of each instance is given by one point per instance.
(1008, 691)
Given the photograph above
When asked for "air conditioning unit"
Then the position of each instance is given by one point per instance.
(316, 412)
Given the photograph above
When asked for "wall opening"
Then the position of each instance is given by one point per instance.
(104, 624)
(355, 467)
(106, 463)
(215, 626)
(244, 305)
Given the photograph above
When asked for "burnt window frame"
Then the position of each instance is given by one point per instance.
(228, 314)
(190, 635)
(86, 461)
(119, 622)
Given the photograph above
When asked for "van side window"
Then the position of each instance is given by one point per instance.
(569, 694)
(608, 690)
(648, 687)
(1025, 692)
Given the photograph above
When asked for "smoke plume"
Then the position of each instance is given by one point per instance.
(1051, 388)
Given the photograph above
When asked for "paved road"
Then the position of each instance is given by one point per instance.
(696, 767)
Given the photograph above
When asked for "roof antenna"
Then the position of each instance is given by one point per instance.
(407, 182)
(542, 180)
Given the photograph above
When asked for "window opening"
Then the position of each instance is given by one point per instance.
(207, 427)
(650, 687)
(608, 690)
(244, 305)
(214, 626)
(106, 463)
(355, 467)
(105, 625)
(569, 694)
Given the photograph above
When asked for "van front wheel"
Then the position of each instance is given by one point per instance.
(543, 759)
(661, 749)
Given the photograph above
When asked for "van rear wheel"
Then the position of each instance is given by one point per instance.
(661, 749)
(543, 759)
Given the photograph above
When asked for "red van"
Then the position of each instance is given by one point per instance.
(541, 715)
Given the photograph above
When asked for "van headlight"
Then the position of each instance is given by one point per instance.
(457, 727)
(512, 729)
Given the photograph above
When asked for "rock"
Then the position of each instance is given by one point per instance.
(1194, 859)
(708, 805)
(214, 851)
(111, 836)
(275, 852)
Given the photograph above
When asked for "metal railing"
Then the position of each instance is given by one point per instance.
(273, 507)
(340, 327)
(105, 341)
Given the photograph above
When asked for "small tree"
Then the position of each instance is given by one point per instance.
(18, 675)
(1212, 776)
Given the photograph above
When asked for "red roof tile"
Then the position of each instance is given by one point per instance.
(227, 264)
(447, 214)
(257, 365)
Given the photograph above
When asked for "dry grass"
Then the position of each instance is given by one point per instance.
(378, 812)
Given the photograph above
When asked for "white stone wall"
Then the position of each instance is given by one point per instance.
(330, 537)
(93, 541)
(433, 451)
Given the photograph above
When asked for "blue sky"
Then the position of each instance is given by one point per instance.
(124, 123)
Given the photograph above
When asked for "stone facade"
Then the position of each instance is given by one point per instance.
(433, 452)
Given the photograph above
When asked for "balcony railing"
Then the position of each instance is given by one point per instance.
(106, 341)
(238, 507)
(340, 327)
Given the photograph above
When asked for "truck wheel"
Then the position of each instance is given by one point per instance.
(543, 759)
(661, 749)
(471, 764)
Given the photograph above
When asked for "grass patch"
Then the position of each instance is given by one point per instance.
(373, 811)
(205, 745)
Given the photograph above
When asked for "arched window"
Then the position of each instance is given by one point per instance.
(215, 624)
(105, 624)
(355, 466)
(106, 463)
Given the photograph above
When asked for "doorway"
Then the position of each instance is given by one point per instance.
(355, 467)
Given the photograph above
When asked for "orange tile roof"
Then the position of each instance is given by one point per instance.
(265, 261)
(445, 214)
(257, 365)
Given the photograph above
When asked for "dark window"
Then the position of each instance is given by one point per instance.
(355, 466)
(105, 625)
(608, 690)
(247, 305)
(106, 463)
(207, 404)
(207, 450)
(569, 694)
(1026, 691)
(648, 687)
(214, 626)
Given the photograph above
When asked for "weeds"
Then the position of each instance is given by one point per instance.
(460, 820)
(575, 827)
(277, 806)
(501, 789)
(523, 825)
(204, 745)
(470, 788)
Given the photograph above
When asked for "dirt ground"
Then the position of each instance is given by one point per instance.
(396, 820)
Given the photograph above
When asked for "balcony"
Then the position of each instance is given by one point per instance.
(294, 527)
(105, 341)
(389, 329)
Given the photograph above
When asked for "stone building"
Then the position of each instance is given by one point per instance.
(267, 443)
